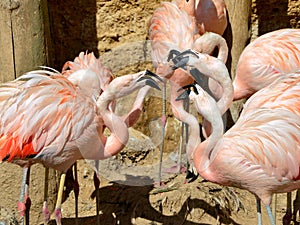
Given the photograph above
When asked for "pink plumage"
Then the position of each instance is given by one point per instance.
(260, 152)
(265, 59)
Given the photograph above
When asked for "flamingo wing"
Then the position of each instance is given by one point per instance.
(266, 59)
(270, 121)
(41, 112)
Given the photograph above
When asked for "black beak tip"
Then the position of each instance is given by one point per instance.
(183, 96)
(152, 83)
(148, 72)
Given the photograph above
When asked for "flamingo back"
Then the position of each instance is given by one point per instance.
(170, 28)
(87, 72)
(264, 144)
(41, 113)
(265, 59)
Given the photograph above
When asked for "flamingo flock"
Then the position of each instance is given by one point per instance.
(57, 118)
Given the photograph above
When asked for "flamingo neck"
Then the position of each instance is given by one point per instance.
(217, 70)
(206, 151)
(207, 42)
(118, 129)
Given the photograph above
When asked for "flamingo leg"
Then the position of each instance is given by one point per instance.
(258, 208)
(296, 205)
(57, 211)
(24, 200)
(97, 185)
(163, 122)
(272, 220)
(46, 212)
(287, 218)
(76, 192)
(274, 203)
(186, 107)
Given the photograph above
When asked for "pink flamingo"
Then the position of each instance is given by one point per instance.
(47, 119)
(265, 59)
(171, 28)
(210, 15)
(260, 152)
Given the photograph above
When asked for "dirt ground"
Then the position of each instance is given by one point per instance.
(117, 32)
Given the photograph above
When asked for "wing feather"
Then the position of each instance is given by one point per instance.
(37, 111)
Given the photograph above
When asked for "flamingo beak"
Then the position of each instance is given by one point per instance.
(199, 77)
(148, 76)
(185, 95)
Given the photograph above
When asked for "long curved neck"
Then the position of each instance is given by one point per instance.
(119, 131)
(204, 152)
(132, 117)
(216, 69)
(181, 114)
(208, 42)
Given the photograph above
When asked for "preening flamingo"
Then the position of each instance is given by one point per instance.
(171, 28)
(260, 152)
(47, 119)
(265, 59)
(213, 68)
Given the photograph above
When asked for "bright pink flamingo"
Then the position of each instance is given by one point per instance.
(46, 119)
(265, 59)
(260, 152)
(171, 28)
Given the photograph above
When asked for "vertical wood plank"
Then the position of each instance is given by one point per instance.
(238, 33)
(28, 25)
(7, 71)
(24, 44)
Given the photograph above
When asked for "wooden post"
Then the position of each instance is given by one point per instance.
(24, 44)
(24, 37)
(238, 34)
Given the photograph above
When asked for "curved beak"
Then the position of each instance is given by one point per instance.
(148, 76)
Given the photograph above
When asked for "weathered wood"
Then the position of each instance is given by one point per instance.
(238, 34)
(24, 37)
(24, 44)
(7, 71)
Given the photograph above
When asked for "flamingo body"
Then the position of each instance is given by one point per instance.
(42, 120)
(260, 152)
(265, 59)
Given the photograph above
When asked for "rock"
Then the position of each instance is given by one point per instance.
(7, 217)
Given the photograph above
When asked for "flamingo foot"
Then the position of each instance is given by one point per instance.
(24, 207)
(159, 185)
(175, 169)
(21, 208)
(46, 213)
(287, 218)
(58, 216)
(191, 175)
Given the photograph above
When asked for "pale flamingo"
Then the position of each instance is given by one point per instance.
(47, 119)
(265, 59)
(260, 152)
(212, 68)
(171, 28)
